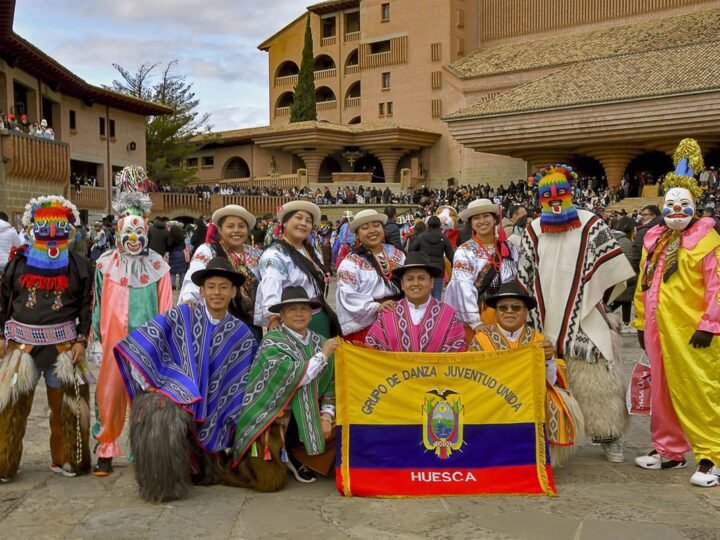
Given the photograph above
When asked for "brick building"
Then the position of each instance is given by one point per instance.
(480, 91)
(97, 131)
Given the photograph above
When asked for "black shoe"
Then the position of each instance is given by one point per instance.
(103, 467)
(301, 472)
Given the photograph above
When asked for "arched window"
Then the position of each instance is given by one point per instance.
(355, 120)
(353, 91)
(287, 68)
(323, 62)
(286, 99)
(236, 167)
(353, 59)
(323, 94)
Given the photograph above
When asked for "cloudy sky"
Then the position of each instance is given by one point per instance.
(214, 41)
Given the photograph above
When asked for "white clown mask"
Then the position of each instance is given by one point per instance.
(132, 235)
(678, 209)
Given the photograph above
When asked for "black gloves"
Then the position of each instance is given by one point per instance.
(641, 339)
(701, 339)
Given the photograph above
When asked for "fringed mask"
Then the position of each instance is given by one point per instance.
(132, 235)
(50, 222)
(555, 192)
(678, 209)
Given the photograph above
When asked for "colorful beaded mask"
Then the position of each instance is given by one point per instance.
(555, 192)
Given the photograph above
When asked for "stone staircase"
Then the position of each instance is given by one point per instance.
(634, 203)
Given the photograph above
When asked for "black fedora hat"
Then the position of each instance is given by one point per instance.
(293, 295)
(218, 267)
(512, 290)
(418, 259)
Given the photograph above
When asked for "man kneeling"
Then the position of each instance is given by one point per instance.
(185, 372)
(565, 422)
(289, 400)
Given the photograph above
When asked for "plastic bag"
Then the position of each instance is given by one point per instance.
(638, 393)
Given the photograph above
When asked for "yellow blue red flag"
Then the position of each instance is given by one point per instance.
(426, 424)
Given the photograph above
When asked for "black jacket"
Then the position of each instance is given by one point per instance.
(392, 235)
(158, 238)
(638, 242)
(435, 245)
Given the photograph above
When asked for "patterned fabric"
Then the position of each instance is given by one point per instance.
(274, 383)
(199, 365)
(568, 274)
(40, 335)
(439, 331)
(669, 240)
(132, 270)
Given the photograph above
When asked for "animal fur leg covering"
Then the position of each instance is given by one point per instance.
(159, 441)
(254, 472)
(600, 392)
(66, 373)
(560, 455)
(18, 378)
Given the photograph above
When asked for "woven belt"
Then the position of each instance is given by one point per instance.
(50, 334)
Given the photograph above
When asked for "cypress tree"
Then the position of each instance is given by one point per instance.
(303, 107)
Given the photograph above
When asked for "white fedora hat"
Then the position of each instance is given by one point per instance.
(233, 210)
(306, 206)
(479, 206)
(366, 216)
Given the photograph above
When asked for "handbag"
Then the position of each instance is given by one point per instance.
(638, 393)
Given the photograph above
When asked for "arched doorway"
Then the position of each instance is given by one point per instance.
(587, 166)
(329, 166)
(647, 168)
(355, 120)
(324, 94)
(236, 167)
(371, 164)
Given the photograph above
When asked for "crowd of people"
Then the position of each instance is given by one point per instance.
(24, 125)
(235, 384)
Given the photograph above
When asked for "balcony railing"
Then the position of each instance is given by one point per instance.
(282, 111)
(351, 70)
(34, 158)
(325, 74)
(326, 105)
(352, 102)
(352, 36)
(286, 80)
(89, 198)
(327, 41)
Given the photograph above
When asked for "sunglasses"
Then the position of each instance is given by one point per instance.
(514, 308)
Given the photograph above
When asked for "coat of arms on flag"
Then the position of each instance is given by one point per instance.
(442, 428)
(440, 424)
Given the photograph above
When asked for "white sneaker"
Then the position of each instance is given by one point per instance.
(654, 461)
(65, 470)
(628, 329)
(614, 451)
(4, 480)
(706, 475)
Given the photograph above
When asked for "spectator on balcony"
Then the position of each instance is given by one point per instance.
(158, 236)
(9, 239)
(24, 124)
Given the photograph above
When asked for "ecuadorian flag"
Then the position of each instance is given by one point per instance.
(428, 424)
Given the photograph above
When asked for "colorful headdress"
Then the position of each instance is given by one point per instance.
(48, 205)
(688, 162)
(51, 219)
(555, 184)
(132, 184)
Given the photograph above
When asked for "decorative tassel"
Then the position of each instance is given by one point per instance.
(267, 456)
(284, 455)
(253, 450)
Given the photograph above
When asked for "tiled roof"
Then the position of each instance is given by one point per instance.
(333, 5)
(563, 48)
(250, 133)
(680, 70)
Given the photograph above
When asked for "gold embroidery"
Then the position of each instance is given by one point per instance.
(717, 270)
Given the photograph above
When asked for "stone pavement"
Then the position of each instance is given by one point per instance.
(596, 501)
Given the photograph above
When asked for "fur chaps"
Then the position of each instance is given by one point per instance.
(600, 392)
(159, 441)
(560, 455)
(66, 373)
(18, 378)
(254, 472)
